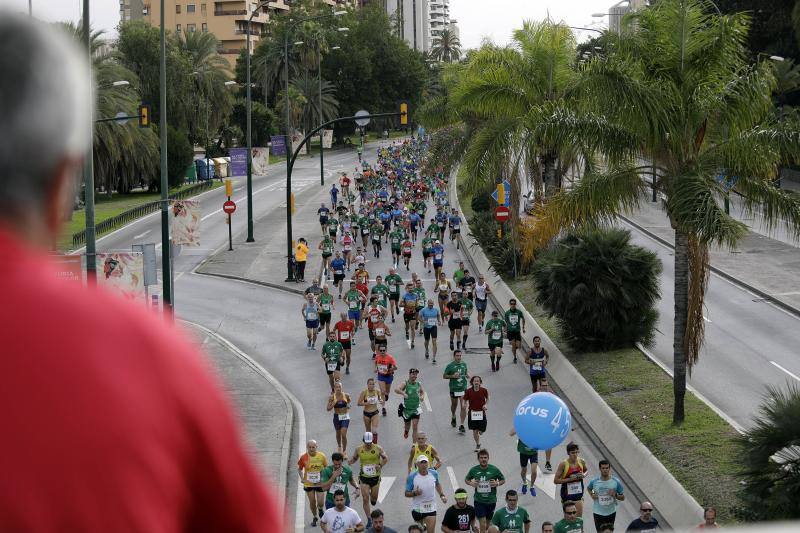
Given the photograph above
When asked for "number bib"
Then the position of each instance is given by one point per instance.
(382, 369)
(438, 257)
(431, 322)
(344, 416)
(496, 335)
(427, 507)
(353, 304)
(458, 393)
(372, 400)
(484, 487)
(370, 470)
(345, 335)
(332, 366)
(313, 477)
(513, 319)
(476, 415)
(326, 307)
(379, 332)
(605, 499)
(311, 315)
(574, 488)
(337, 486)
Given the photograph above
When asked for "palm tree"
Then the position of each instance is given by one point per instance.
(771, 457)
(446, 46)
(679, 98)
(308, 86)
(211, 71)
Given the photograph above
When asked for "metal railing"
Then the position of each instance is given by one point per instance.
(226, 12)
(79, 238)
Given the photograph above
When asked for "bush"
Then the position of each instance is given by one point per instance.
(482, 201)
(179, 155)
(601, 288)
(500, 251)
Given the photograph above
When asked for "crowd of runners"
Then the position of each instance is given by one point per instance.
(398, 208)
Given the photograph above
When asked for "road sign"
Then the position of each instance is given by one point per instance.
(506, 187)
(727, 182)
(121, 118)
(404, 113)
(229, 207)
(362, 121)
(502, 213)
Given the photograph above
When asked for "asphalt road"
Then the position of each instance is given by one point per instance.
(750, 344)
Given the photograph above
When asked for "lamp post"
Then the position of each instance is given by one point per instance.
(322, 132)
(88, 169)
(250, 128)
(205, 99)
(290, 276)
(166, 250)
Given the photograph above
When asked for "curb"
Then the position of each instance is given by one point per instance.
(248, 280)
(287, 396)
(718, 271)
(675, 505)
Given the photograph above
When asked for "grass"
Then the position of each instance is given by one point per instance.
(702, 453)
(107, 207)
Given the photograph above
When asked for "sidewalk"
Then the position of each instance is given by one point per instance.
(263, 410)
(765, 264)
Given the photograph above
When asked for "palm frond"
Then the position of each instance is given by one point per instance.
(775, 207)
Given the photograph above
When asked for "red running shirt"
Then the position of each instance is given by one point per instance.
(344, 330)
(476, 398)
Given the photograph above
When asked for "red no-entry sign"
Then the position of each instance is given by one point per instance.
(229, 207)
(501, 213)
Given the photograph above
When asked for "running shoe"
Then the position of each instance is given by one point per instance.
(314, 522)
(383, 411)
(533, 491)
(405, 434)
(524, 489)
(548, 468)
(453, 422)
(461, 429)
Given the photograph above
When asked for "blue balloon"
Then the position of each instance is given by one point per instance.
(542, 420)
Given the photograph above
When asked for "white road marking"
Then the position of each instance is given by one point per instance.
(453, 480)
(205, 341)
(238, 189)
(179, 275)
(385, 487)
(794, 293)
(242, 199)
(781, 368)
(706, 319)
(427, 403)
(545, 483)
(141, 234)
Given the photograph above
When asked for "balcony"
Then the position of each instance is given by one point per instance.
(228, 12)
(243, 31)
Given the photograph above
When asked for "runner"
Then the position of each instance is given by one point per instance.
(537, 360)
(460, 516)
(344, 183)
(359, 258)
(396, 240)
(377, 230)
(381, 290)
(339, 403)
(485, 477)
(373, 459)
(373, 315)
(423, 447)
(571, 523)
(606, 490)
(430, 318)
(413, 395)
(332, 357)
(466, 311)
(326, 307)
(458, 275)
(337, 476)
(340, 517)
(345, 329)
(334, 192)
(427, 251)
(645, 523)
(380, 331)
(443, 288)
(338, 265)
(419, 290)
(407, 245)
(570, 474)
(309, 468)
(494, 331)
(482, 292)
(409, 305)
(394, 281)
(361, 275)
(454, 313)
(354, 299)
(422, 486)
(467, 285)
(310, 313)
(365, 227)
(454, 222)
(326, 245)
(300, 255)
(438, 257)
(385, 366)
(526, 455)
(347, 248)
(514, 318)
(709, 519)
(476, 398)
(413, 221)
(511, 518)
(323, 213)
(456, 371)
(369, 399)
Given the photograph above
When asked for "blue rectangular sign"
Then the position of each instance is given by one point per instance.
(238, 161)
(278, 144)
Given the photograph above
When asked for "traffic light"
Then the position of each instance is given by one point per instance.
(144, 116)
(228, 187)
(404, 113)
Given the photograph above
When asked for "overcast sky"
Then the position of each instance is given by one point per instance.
(495, 19)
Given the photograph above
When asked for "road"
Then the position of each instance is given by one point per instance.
(750, 344)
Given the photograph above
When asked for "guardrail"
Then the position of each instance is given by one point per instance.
(79, 238)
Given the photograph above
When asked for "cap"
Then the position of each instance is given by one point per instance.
(368, 437)
(422, 458)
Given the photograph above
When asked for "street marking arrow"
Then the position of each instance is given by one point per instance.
(385, 487)
(545, 483)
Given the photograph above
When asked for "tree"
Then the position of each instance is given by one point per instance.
(446, 46)
(602, 289)
(309, 87)
(680, 98)
(179, 156)
(771, 458)
(263, 121)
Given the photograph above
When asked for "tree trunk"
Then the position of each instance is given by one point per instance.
(681, 315)
(550, 185)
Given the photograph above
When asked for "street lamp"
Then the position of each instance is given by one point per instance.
(292, 26)
(166, 251)
(322, 132)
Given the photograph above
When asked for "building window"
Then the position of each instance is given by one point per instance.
(178, 28)
(190, 28)
(205, 27)
(177, 8)
(190, 8)
(203, 9)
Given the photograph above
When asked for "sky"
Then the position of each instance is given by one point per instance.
(477, 19)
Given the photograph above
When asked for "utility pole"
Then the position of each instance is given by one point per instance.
(88, 165)
(321, 132)
(166, 250)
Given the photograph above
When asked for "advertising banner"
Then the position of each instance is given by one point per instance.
(122, 272)
(184, 221)
(297, 137)
(238, 162)
(278, 144)
(68, 268)
(260, 160)
(327, 138)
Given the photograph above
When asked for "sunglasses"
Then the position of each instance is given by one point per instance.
(646, 510)
(570, 512)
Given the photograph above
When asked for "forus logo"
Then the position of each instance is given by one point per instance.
(533, 411)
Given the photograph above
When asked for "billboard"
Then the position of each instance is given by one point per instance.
(278, 144)
(297, 138)
(68, 268)
(260, 160)
(184, 222)
(238, 161)
(327, 138)
(122, 272)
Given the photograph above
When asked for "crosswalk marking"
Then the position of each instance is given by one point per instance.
(545, 483)
(453, 480)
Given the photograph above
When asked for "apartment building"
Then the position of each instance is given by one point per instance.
(226, 19)
(618, 10)
(413, 19)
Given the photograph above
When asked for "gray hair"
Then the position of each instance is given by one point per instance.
(45, 109)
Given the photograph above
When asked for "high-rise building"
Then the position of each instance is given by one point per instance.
(226, 19)
(413, 21)
(618, 10)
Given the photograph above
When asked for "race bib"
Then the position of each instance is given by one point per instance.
(344, 335)
(407, 249)
(332, 366)
(605, 499)
(353, 304)
(513, 319)
(484, 487)
(383, 369)
(344, 416)
(537, 365)
(496, 334)
(443, 288)
(379, 332)
(372, 400)
(458, 393)
(427, 507)
(438, 257)
(326, 307)
(456, 226)
(393, 287)
(337, 486)
(312, 315)
(419, 410)
(338, 271)
(431, 322)
(370, 470)
(374, 317)
(476, 415)
(574, 488)
(313, 477)
(347, 247)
